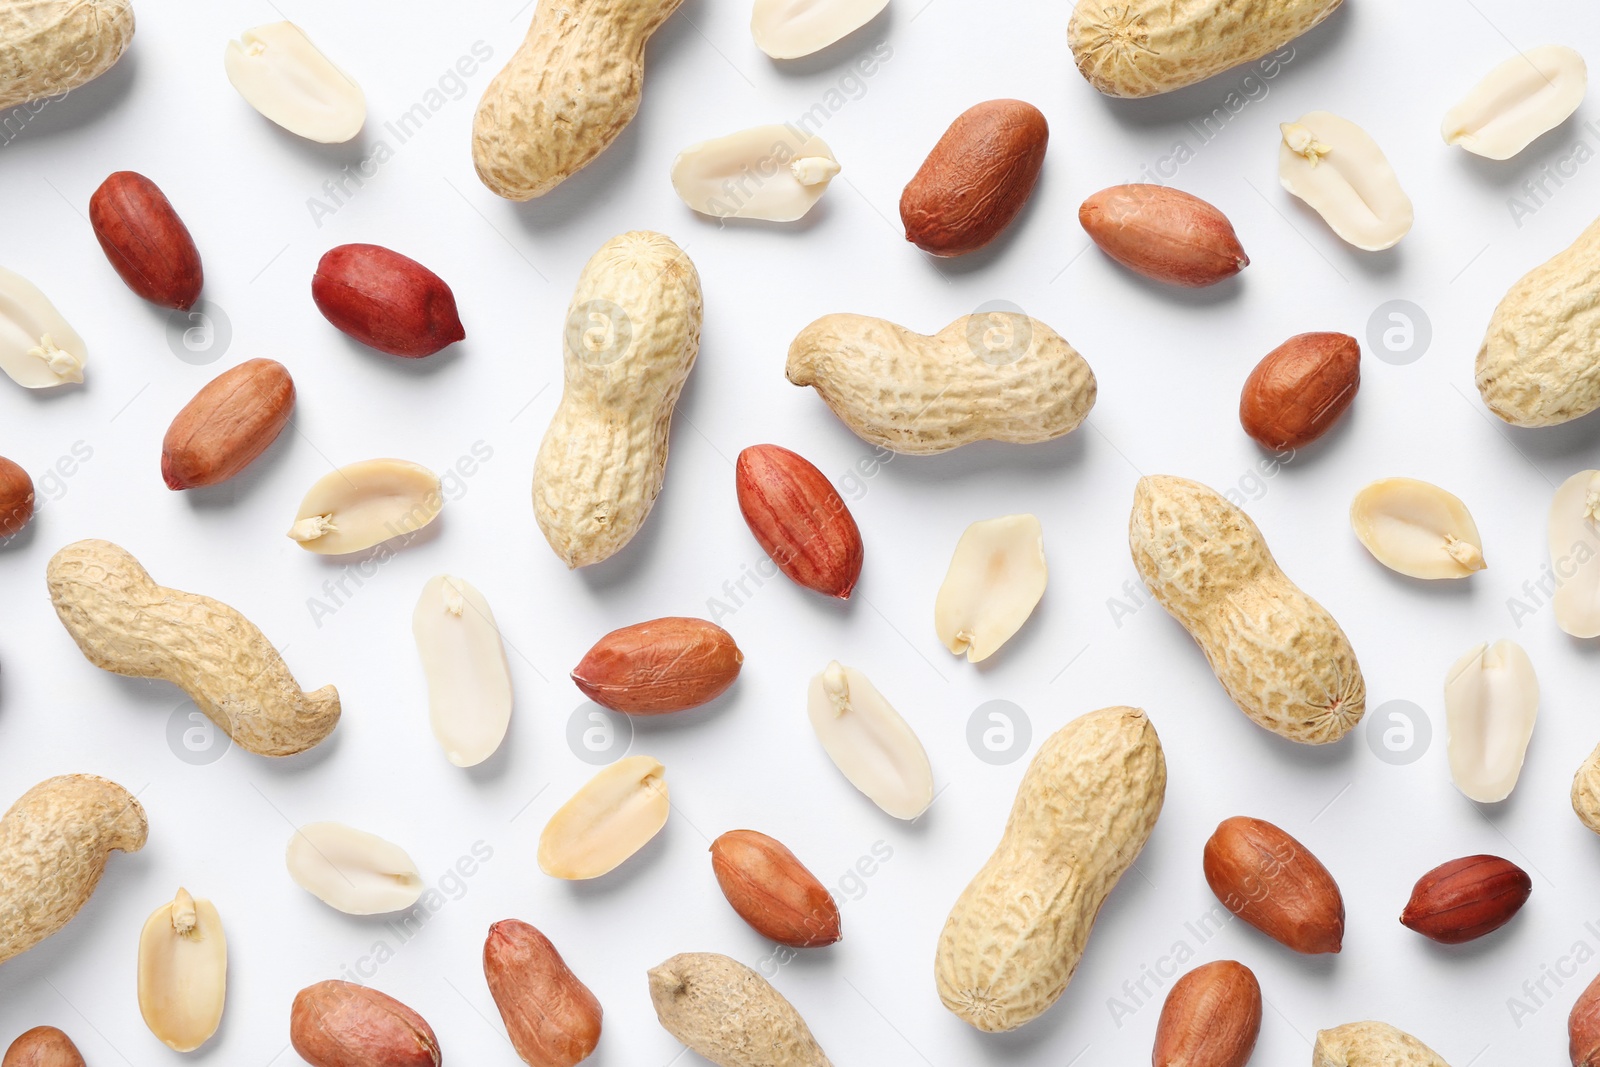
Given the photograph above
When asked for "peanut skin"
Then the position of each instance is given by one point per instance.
(1300, 389)
(43, 1046)
(977, 178)
(1164, 234)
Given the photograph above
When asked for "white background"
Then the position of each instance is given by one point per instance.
(1169, 366)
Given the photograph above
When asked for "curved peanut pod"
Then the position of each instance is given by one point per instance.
(991, 376)
(1279, 654)
(125, 623)
(53, 847)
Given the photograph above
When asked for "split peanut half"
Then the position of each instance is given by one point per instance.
(281, 74)
(1575, 554)
(366, 504)
(1529, 94)
(352, 871)
(1491, 699)
(1417, 529)
(614, 815)
(869, 742)
(995, 580)
(469, 682)
(788, 29)
(183, 972)
(1339, 170)
(775, 173)
(38, 349)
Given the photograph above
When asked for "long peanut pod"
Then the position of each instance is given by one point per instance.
(572, 87)
(991, 376)
(53, 847)
(124, 622)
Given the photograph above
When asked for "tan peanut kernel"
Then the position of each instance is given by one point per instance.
(611, 817)
(1339, 170)
(1529, 94)
(1417, 529)
(464, 660)
(352, 871)
(996, 578)
(366, 504)
(869, 742)
(1491, 701)
(183, 972)
(281, 74)
(38, 349)
(766, 172)
(789, 29)
(1574, 540)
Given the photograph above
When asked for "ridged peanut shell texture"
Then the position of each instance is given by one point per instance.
(125, 623)
(53, 846)
(146, 241)
(1084, 810)
(631, 337)
(1135, 48)
(1540, 360)
(799, 519)
(571, 88)
(977, 178)
(232, 420)
(52, 46)
(1277, 652)
(991, 376)
(1274, 883)
(1371, 1044)
(729, 1014)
